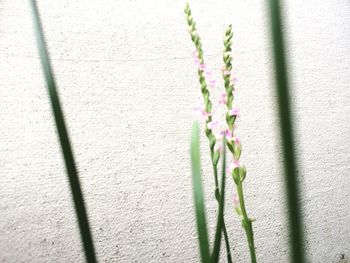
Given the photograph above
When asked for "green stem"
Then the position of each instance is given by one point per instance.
(217, 197)
(246, 223)
(227, 243)
(236, 149)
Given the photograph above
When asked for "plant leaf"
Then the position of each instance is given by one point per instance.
(77, 194)
(285, 112)
(198, 196)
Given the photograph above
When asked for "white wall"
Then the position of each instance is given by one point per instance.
(128, 86)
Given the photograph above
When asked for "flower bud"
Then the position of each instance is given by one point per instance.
(242, 173)
(234, 112)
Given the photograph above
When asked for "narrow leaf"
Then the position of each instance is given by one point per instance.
(64, 140)
(286, 128)
(198, 196)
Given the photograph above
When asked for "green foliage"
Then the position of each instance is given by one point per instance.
(286, 127)
(199, 202)
(198, 196)
(64, 140)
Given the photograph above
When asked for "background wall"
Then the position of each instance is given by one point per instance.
(128, 85)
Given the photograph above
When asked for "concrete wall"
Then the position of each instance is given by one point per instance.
(128, 85)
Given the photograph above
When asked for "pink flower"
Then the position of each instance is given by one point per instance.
(213, 125)
(234, 112)
(235, 200)
(196, 61)
(212, 83)
(219, 135)
(233, 79)
(199, 107)
(229, 135)
(223, 98)
(235, 164)
(205, 115)
(195, 58)
(202, 67)
(208, 72)
(218, 146)
(202, 112)
(226, 72)
(236, 140)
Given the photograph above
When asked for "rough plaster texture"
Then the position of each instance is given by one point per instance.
(128, 84)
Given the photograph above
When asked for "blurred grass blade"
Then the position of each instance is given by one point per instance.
(295, 216)
(220, 219)
(198, 196)
(63, 136)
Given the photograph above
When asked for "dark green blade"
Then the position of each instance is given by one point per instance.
(220, 219)
(295, 216)
(198, 196)
(64, 139)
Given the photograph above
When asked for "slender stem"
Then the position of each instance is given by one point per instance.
(246, 223)
(234, 146)
(224, 230)
(228, 251)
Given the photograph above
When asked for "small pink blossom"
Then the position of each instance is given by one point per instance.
(235, 200)
(223, 98)
(235, 164)
(219, 146)
(199, 107)
(208, 72)
(212, 83)
(233, 79)
(196, 58)
(227, 73)
(219, 135)
(202, 112)
(213, 125)
(196, 61)
(229, 135)
(236, 140)
(205, 115)
(202, 67)
(234, 112)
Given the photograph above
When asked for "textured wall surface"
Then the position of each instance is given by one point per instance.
(128, 85)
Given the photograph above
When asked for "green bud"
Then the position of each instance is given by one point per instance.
(216, 157)
(187, 7)
(230, 147)
(242, 173)
(235, 175)
(227, 57)
(237, 150)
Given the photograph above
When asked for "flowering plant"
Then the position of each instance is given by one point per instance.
(220, 138)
